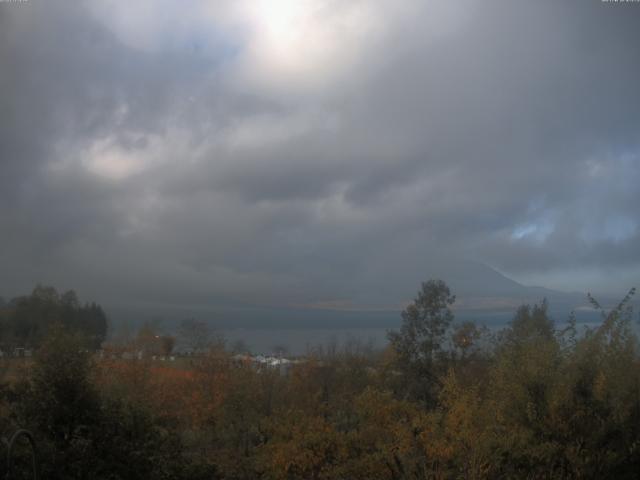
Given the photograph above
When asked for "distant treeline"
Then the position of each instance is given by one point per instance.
(444, 400)
(26, 320)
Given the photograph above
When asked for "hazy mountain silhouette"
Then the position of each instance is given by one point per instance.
(478, 286)
(483, 295)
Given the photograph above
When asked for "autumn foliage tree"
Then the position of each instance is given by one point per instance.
(442, 401)
(420, 343)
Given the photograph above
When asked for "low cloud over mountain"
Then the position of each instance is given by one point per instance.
(318, 153)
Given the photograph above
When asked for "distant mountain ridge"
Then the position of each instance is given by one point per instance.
(479, 286)
(482, 294)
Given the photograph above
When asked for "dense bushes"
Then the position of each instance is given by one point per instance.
(442, 401)
(82, 433)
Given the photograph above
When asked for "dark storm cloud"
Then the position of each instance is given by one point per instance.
(146, 161)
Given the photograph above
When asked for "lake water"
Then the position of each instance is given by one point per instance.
(298, 341)
(298, 332)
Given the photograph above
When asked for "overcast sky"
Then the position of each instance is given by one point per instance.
(316, 152)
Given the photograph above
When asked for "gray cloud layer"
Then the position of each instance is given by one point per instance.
(164, 160)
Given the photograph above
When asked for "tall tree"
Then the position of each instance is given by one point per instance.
(419, 343)
(196, 335)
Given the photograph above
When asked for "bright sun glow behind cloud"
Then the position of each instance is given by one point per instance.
(282, 20)
(305, 39)
(278, 42)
